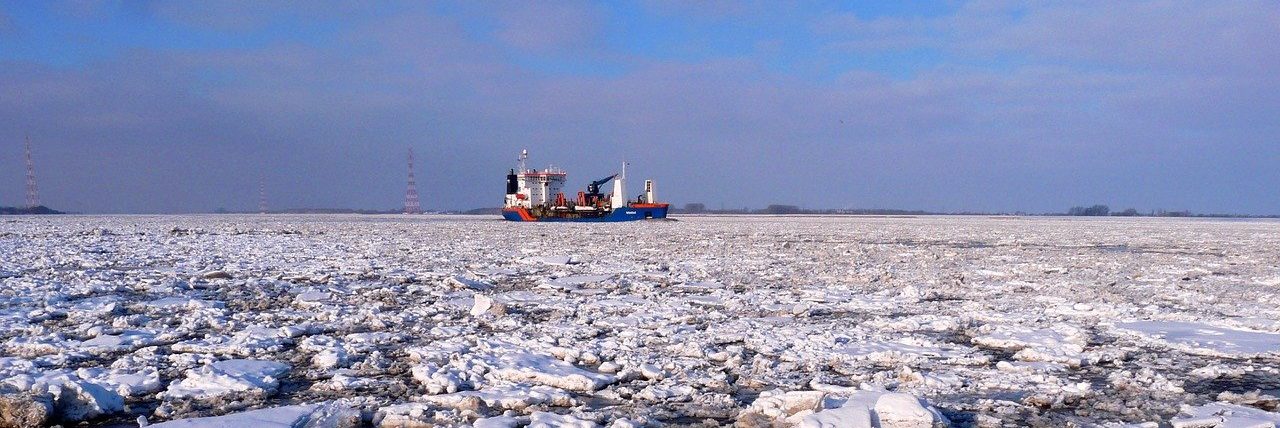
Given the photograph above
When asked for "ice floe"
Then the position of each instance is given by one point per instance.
(1205, 338)
(1223, 415)
(275, 417)
(227, 376)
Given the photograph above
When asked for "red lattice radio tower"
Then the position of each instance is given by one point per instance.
(262, 195)
(411, 204)
(33, 192)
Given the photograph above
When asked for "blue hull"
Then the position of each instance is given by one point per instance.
(622, 214)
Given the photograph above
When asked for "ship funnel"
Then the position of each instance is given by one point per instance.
(648, 191)
(513, 186)
(620, 189)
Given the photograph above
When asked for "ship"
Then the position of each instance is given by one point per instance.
(538, 195)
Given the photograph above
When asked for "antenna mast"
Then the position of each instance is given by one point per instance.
(411, 204)
(33, 192)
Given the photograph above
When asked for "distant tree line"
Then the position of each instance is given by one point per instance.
(1093, 211)
(1103, 210)
(1130, 212)
(28, 211)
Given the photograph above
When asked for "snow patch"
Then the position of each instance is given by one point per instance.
(275, 417)
(227, 376)
(1204, 338)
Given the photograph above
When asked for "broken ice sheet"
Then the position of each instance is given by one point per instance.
(123, 341)
(1224, 415)
(1007, 321)
(1204, 338)
(227, 376)
(275, 417)
(251, 341)
(1058, 343)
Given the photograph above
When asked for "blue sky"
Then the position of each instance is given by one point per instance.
(183, 106)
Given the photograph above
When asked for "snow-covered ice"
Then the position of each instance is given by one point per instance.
(759, 321)
(227, 376)
(1205, 338)
(1214, 415)
(275, 417)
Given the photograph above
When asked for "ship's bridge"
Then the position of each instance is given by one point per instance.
(540, 187)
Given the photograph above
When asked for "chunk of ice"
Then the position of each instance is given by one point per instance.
(545, 370)
(1224, 415)
(1206, 339)
(224, 377)
(275, 417)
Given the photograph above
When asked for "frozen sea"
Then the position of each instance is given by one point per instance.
(327, 320)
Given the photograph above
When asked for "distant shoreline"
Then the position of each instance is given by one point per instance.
(40, 210)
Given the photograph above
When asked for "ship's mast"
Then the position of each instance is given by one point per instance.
(524, 154)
